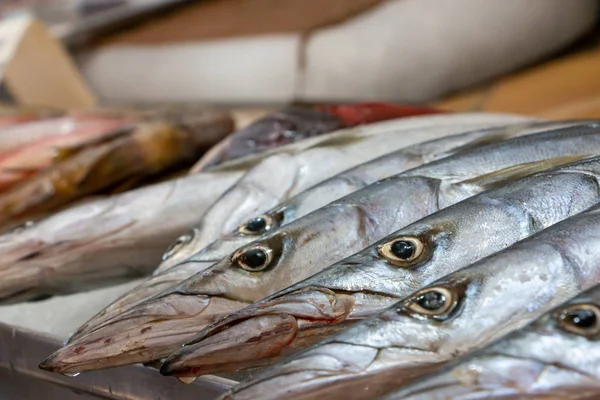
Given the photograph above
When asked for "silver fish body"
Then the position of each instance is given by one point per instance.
(557, 356)
(294, 168)
(478, 304)
(375, 278)
(307, 246)
(180, 262)
(105, 240)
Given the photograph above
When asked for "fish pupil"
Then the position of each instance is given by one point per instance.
(403, 249)
(256, 225)
(582, 318)
(432, 300)
(255, 258)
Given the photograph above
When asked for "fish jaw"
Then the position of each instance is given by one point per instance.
(343, 368)
(147, 290)
(264, 331)
(147, 332)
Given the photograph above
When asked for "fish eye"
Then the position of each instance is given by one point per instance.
(580, 319)
(179, 243)
(253, 259)
(257, 226)
(435, 302)
(402, 251)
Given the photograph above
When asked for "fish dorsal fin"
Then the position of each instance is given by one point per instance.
(503, 176)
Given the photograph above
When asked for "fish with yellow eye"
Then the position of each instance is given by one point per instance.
(459, 313)
(556, 356)
(314, 242)
(378, 276)
(188, 257)
(292, 169)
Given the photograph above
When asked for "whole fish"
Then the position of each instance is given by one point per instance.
(300, 205)
(375, 278)
(104, 240)
(142, 150)
(557, 356)
(309, 163)
(29, 158)
(156, 327)
(458, 313)
(120, 248)
(295, 123)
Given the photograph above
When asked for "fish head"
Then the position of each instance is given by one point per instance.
(146, 290)
(352, 289)
(462, 311)
(184, 247)
(555, 355)
(255, 192)
(141, 332)
(250, 230)
(153, 328)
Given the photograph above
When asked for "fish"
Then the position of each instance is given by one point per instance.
(20, 160)
(461, 312)
(105, 240)
(301, 204)
(294, 123)
(391, 269)
(118, 248)
(311, 161)
(60, 128)
(11, 116)
(556, 356)
(158, 326)
(139, 150)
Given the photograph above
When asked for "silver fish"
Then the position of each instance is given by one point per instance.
(121, 255)
(302, 203)
(557, 356)
(461, 312)
(396, 266)
(103, 240)
(156, 327)
(295, 168)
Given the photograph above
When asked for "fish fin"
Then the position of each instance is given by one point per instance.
(503, 176)
(63, 153)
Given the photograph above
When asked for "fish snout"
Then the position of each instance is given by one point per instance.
(148, 332)
(261, 332)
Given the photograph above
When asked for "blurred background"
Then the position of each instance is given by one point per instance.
(539, 57)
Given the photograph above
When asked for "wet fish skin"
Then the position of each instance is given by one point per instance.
(310, 242)
(303, 203)
(380, 354)
(308, 162)
(367, 282)
(550, 357)
(294, 123)
(103, 240)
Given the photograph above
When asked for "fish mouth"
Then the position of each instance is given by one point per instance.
(262, 332)
(147, 332)
(147, 290)
(334, 369)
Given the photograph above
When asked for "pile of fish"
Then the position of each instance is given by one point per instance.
(358, 251)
